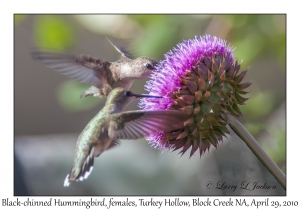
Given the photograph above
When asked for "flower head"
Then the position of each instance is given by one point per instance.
(200, 78)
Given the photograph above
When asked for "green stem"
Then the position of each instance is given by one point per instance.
(243, 133)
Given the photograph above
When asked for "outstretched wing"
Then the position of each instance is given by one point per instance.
(83, 68)
(138, 124)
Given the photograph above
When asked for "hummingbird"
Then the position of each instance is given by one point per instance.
(110, 125)
(102, 75)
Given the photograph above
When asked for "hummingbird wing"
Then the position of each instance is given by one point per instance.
(83, 68)
(139, 124)
(124, 53)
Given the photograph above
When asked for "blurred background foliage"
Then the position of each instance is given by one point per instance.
(259, 41)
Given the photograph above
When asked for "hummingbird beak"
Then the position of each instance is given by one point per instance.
(145, 96)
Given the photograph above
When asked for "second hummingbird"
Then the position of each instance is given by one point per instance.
(111, 124)
(101, 74)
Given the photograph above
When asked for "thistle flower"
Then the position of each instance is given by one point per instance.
(200, 78)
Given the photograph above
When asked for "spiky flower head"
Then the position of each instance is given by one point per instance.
(200, 78)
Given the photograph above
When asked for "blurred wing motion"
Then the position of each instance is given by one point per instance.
(138, 124)
(83, 68)
(124, 53)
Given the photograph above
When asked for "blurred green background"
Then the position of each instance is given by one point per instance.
(49, 115)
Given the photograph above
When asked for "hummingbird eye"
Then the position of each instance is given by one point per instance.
(128, 93)
(148, 66)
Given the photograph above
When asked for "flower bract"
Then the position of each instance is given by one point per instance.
(200, 77)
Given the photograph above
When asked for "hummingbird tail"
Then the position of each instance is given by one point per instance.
(80, 173)
(67, 181)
